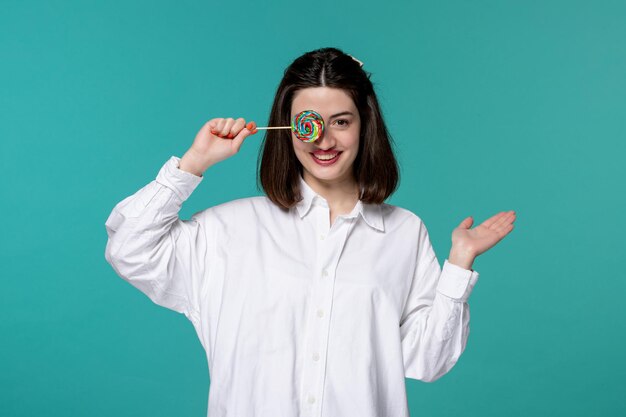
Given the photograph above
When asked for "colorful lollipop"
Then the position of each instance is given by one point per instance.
(307, 125)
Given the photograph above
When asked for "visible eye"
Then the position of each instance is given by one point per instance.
(344, 124)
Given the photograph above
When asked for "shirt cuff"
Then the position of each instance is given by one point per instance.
(183, 183)
(456, 282)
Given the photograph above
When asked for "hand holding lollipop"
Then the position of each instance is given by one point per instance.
(307, 125)
(209, 147)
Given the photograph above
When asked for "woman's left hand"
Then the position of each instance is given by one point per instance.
(482, 237)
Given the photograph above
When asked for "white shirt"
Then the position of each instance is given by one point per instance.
(297, 318)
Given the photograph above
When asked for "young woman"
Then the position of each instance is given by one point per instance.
(317, 299)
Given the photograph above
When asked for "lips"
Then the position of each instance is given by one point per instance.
(328, 161)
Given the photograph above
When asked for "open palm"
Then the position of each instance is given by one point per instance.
(484, 236)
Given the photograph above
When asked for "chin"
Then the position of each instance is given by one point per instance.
(325, 174)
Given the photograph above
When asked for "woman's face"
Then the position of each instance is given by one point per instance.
(342, 126)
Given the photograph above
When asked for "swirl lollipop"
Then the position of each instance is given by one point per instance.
(307, 125)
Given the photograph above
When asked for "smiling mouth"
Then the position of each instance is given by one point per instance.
(326, 157)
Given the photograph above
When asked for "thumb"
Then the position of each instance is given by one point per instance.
(244, 133)
(467, 222)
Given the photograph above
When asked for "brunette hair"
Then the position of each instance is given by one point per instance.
(375, 168)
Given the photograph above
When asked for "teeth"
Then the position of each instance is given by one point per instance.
(326, 157)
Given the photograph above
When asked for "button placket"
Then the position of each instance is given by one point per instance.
(329, 256)
(316, 327)
(329, 251)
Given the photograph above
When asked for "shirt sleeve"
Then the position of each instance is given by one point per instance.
(150, 247)
(434, 326)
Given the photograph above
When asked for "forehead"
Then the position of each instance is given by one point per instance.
(324, 100)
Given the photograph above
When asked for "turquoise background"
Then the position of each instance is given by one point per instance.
(493, 105)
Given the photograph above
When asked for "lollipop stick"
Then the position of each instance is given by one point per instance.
(307, 125)
(253, 126)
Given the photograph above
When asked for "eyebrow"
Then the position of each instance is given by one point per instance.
(342, 114)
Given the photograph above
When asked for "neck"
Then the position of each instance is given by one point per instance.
(342, 194)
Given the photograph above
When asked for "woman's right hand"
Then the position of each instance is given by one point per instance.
(218, 139)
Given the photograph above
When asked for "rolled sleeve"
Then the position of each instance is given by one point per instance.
(183, 183)
(155, 250)
(456, 282)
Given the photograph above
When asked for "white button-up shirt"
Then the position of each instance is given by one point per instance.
(297, 317)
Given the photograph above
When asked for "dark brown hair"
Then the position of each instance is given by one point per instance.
(375, 168)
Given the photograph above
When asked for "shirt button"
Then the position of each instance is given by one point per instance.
(311, 399)
(316, 357)
(320, 313)
(322, 236)
(325, 273)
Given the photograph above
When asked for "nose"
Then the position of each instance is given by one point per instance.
(325, 141)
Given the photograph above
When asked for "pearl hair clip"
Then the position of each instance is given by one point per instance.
(360, 63)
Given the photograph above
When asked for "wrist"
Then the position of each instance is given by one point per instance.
(189, 163)
(462, 257)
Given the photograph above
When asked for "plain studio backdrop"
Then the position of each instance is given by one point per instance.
(493, 106)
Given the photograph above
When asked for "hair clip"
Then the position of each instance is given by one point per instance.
(360, 63)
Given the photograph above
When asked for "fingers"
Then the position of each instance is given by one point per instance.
(505, 219)
(229, 128)
(237, 126)
(252, 126)
(223, 126)
(494, 219)
(489, 222)
(238, 140)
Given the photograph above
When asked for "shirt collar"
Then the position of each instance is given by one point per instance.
(371, 213)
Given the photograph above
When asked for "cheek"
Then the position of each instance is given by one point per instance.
(353, 141)
(352, 137)
(298, 145)
(301, 150)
